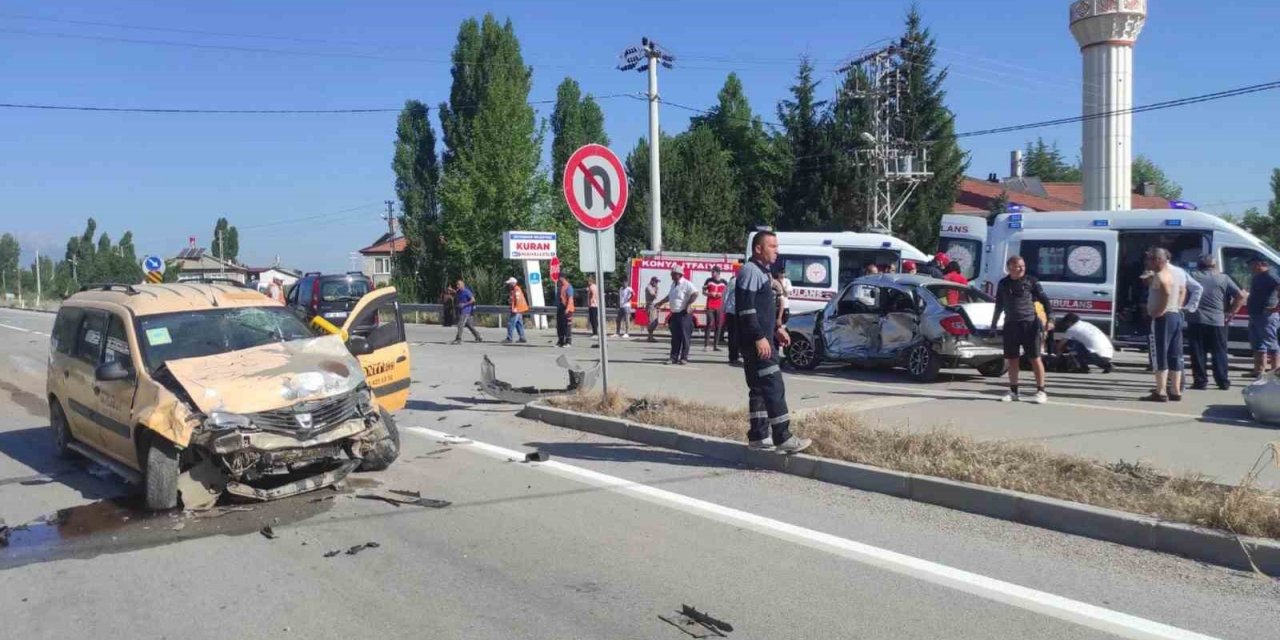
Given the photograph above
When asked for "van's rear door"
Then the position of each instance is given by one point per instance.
(964, 239)
(1077, 268)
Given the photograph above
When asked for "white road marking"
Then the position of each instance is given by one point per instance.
(1102, 619)
(9, 326)
(884, 402)
(943, 394)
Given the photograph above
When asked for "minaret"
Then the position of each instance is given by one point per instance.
(1106, 31)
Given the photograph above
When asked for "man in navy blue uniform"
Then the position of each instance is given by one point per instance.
(759, 336)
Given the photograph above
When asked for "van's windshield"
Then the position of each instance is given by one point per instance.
(191, 334)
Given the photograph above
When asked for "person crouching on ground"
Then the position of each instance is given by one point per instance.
(1087, 342)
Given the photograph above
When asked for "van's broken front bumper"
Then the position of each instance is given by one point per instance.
(263, 465)
(311, 483)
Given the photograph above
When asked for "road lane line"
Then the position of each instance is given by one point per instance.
(9, 326)
(970, 395)
(1082, 613)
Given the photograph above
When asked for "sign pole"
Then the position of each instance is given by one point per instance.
(604, 351)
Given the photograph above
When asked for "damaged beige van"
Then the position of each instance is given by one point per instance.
(195, 389)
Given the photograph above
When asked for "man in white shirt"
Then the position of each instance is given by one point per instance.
(681, 297)
(623, 324)
(1089, 344)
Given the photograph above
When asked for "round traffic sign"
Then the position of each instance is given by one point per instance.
(555, 268)
(595, 186)
(152, 263)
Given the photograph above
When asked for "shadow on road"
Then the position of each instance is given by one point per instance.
(428, 405)
(34, 448)
(619, 452)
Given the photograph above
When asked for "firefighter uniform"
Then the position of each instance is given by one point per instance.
(756, 319)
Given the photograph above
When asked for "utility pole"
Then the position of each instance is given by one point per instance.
(38, 290)
(19, 274)
(222, 252)
(892, 160)
(652, 55)
(391, 231)
(75, 278)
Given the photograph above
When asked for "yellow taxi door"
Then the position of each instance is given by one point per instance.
(115, 397)
(77, 370)
(375, 334)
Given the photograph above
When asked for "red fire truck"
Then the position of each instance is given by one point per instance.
(696, 268)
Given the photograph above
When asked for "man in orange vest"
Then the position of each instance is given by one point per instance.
(515, 322)
(564, 312)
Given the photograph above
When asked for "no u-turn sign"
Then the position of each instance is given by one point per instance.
(595, 186)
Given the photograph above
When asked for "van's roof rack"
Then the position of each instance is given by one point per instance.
(215, 280)
(110, 286)
(311, 273)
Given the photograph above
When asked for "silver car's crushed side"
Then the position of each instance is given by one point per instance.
(898, 319)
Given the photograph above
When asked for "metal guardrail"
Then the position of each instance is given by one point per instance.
(500, 310)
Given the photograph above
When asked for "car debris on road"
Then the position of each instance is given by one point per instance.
(579, 380)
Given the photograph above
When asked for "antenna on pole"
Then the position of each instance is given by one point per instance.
(648, 57)
(897, 167)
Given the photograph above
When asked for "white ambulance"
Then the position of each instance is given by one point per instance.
(1090, 261)
(818, 264)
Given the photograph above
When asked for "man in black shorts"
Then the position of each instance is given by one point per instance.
(1017, 295)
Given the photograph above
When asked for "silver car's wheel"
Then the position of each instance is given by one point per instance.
(923, 364)
(801, 353)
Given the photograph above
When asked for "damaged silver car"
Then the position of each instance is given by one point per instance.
(919, 323)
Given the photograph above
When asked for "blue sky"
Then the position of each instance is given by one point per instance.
(284, 179)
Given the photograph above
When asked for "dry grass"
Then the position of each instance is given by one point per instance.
(1244, 509)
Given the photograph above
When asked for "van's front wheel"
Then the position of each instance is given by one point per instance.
(161, 479)
(384, 450)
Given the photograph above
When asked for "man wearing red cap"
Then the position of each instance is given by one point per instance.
(933, 268)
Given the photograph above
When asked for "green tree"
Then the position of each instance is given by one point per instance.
(848, 185)
(1000, 204)
(757, 164)
(229, 247)
(1266, 224)
(1044, 161)
(576, 120)
(491, 181)
(700, 197)
(10, 253)
(929, 124)
(804, 147)
(419, 271)
(1144, 170)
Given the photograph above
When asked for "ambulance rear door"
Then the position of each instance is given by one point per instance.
(1076, 267)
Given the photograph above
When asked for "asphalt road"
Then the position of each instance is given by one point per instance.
(598, 543)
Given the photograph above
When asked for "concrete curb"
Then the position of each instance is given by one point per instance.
(1133, 530)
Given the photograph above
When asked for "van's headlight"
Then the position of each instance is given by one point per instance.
(222, 420)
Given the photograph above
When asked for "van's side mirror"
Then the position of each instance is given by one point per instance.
(110, 371)
(359, 346)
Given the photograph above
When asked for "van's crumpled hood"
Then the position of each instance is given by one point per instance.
(271, 376)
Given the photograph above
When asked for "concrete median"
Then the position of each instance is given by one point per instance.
(1134, 530)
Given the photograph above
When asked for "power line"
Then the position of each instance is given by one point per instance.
(53, 107)
(1156, 106)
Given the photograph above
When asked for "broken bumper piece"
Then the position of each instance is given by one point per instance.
(579, 380)
(295, 487)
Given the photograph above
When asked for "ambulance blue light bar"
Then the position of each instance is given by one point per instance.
(886, 244)
(1014, 208)
(1173, 222)
(1015, 224)
(1102, 222)
(1183, 204)
(827, 242)
(1017, 217)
